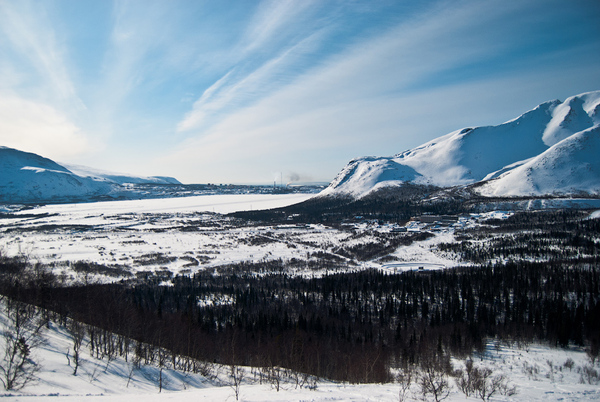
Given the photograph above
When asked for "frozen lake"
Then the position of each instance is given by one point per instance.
(222, 204)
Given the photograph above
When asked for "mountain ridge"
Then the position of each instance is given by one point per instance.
(26, 177)
(484, 157)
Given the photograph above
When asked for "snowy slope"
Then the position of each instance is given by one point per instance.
(569, 167)
(27, 177)
(472, 155)
(539, 373)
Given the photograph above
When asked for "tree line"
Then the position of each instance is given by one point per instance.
(389, 204)
(564, 235)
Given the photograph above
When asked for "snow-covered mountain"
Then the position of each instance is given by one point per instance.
(552, 149)
(27, 177)
(118, 178)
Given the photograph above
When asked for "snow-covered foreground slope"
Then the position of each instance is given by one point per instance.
(26, 177)
(478, 154)
(539, 373)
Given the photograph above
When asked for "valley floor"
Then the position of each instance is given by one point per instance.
(187, 234)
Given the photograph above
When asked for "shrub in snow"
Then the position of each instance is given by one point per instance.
(569, 363)
(589, 375)
(481, 382)
(405, 378)
(433, 381)
(236, 375)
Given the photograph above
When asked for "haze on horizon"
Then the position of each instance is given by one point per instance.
(251, 91)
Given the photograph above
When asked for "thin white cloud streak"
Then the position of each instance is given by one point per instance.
(133, 36)
(211, 100)
(230, 91)
(136, 33)
(364, 96)
(382, 58)
(273, 20)
(355, 76)
(31, 35)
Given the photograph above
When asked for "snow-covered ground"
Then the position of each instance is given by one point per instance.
(189, 233)
(222, 204)
(539, 373)
(122, 232)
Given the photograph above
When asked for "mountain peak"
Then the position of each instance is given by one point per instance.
(481, 154)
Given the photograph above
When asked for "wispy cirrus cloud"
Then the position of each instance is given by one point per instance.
(39, 103)
(134, 35)
(272, 20)
(32, 36)
(277, 40)
(390, 58)
(235, 90)
(420, 79)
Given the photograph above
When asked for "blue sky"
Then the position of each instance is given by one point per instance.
(251, 91)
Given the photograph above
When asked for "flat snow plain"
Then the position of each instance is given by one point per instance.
(182, 231)
(222, 204)
(185, 234)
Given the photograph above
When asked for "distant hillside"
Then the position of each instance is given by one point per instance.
(85, 171)
(552, 149)
(29, 178)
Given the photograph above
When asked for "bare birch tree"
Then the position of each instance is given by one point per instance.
(20, 336)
